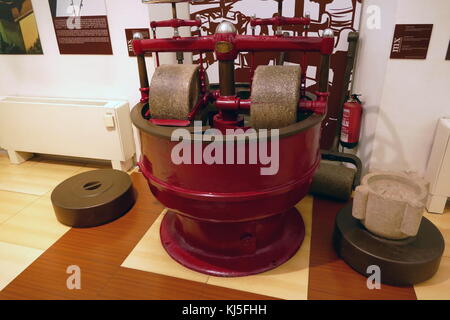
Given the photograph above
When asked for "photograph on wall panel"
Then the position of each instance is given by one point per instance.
(81, 26)
(18, 29)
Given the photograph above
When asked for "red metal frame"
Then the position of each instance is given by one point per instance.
(240, 43)
(235, 44)
(175, 23)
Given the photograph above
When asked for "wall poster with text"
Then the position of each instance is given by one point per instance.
(18, 29)
(81, 26)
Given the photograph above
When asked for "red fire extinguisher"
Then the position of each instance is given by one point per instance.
(351, 122)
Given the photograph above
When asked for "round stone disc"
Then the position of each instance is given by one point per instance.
(174, 91)
(275, 96)
(401, 262)
(93, 198)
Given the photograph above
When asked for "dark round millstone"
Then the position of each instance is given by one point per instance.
(93, 198)
(401, 262)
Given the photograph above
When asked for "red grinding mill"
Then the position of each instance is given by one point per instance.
(228, 217)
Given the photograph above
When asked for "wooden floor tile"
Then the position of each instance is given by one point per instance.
(99, 252)
(438, 287)
(13, 260)
(36, 177)
(141, 285)
(329, 276)
(34, 227)
(12, 202)
(442, 221)
(288, 281)
(149, 255)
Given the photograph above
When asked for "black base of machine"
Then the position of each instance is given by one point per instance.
(401, 262)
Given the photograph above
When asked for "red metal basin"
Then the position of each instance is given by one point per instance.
(229, 220)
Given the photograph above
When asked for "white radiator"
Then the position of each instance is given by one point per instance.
(94, 129)
(438, 170)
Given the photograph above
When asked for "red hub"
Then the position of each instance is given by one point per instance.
(232, 249)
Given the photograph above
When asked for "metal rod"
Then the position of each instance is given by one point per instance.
(280, 14)
(156, 53)
(324, 72)
(282, 57)
(280, 7)
(227, 86)
(226, 76)
(142, 67)
(351, 53)
(242, 43)
(174, 10)
(176, 33)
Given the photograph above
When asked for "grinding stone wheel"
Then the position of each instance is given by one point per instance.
(93, 198)
(334, 181)
(174, 91)
(275, 96)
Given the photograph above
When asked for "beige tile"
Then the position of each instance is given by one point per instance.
(93, 166)
(438, 287)
(290, 280)
(17, 168)
(3, 157)
(26, 183)
(36, 178)
(149, 255)
(12, 202)
(58, 168)
(442, 221)
(306, 209)
(13, 260)
(35, 226)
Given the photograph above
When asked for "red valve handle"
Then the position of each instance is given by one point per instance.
(175, 23)
(280, 21)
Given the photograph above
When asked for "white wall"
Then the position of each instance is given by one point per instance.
(163, 11)
(81, 76)
(403, 98)
(372, 59)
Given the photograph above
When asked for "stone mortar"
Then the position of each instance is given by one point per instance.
(390, 204)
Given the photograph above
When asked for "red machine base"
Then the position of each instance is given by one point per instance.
(232, 249)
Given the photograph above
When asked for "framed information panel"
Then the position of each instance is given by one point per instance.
(81, 26)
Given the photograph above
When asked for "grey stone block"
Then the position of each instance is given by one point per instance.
(390, 204)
